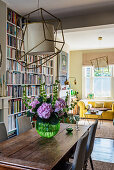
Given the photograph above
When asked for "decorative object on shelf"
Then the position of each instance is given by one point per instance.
(39, 38)
(90, 96)
(47, 111)
(0, 55)
(77, 118)
(66, 82)
(100, 62)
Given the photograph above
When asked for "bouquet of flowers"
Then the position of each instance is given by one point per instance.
(47, 109)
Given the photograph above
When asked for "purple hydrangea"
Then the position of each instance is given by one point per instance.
(44, 111)
(33, 104)
(59, 105)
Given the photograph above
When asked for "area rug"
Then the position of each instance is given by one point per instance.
(104, 130)
(98, 165)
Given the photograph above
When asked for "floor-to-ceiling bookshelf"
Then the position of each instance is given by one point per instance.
(18, 77)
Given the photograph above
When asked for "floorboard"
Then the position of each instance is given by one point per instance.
(103, 150)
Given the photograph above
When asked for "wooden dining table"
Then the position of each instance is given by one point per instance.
(30, 151)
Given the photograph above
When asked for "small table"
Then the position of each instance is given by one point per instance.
(94, 112)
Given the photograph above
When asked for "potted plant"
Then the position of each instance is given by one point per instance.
(47, 111)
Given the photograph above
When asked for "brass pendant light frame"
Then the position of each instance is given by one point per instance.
(44, 22)
(105, 58)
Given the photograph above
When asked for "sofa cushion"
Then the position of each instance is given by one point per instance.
(99, 105)
(108, 105)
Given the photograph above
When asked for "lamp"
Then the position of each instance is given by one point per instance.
(39, 38)
(74, 80)
(100, 62)
(66, 81)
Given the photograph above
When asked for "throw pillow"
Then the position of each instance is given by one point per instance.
(99, 105)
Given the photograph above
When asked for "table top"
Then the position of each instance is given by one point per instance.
(96, 112)
(30, 151)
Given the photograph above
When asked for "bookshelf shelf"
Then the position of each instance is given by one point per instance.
(14, 48)
(20, 79)
(24, 84)
(14, 36)
(12, 24)
(12, 130)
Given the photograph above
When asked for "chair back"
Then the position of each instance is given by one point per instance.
(3, 132)
(79, 155)
(24, 124)
(91, 139)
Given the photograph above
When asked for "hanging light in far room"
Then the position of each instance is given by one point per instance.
(39, 39)
(101, 61)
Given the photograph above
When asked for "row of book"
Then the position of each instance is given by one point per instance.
(38, 59)
(14, 65)
(11, 53)
(16, 77)
(11, 41)
(11, 29)
(47, 79)
(15, 91)
(14, 17)
(35, 70)
(34, 59)
(33, 90)
(48, 63)
(47, 70)
(15, 106)
(16, 109)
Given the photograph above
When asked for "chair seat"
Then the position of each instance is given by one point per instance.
(66, 166)
(3, 132)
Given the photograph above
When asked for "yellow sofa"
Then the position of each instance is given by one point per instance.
(109, 114)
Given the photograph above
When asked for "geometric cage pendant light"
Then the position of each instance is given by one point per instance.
(38, 39)
(99, 62)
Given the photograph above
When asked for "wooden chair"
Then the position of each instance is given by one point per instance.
(23, 124)
(90, 144)
(79, 155)
(3, 132)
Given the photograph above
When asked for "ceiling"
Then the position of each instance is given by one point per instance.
(77, 39)
(87, 38)
(61, 8)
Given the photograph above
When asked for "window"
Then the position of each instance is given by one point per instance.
(98, 81)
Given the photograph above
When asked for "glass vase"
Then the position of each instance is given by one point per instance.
(47, 130)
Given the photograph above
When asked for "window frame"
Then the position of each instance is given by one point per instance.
(84, 91)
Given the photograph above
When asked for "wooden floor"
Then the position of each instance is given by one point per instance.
(103, 150)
